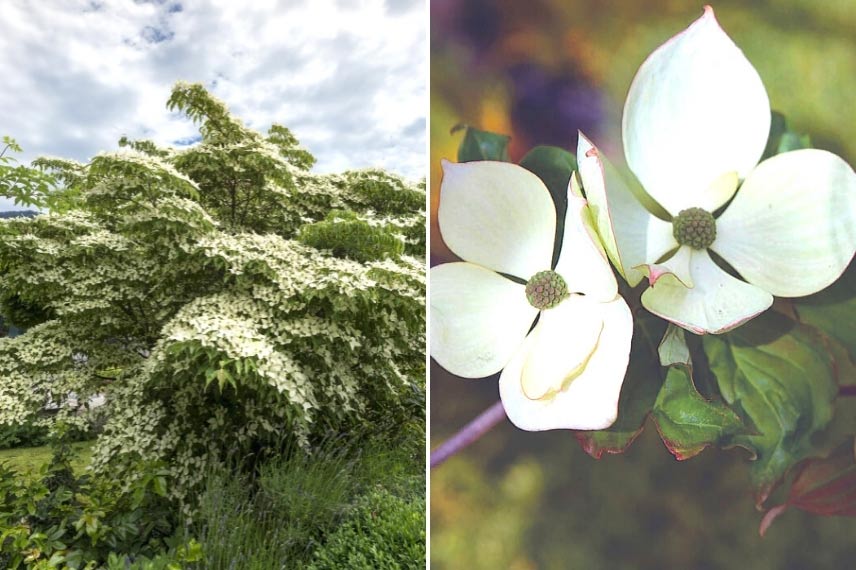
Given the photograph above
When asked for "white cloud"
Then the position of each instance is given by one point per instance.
(348, 77)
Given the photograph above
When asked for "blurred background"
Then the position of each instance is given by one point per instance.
(538, 71)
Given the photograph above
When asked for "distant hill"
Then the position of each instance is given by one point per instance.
(18, 214)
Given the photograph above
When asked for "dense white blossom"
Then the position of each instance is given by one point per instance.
(209, 327)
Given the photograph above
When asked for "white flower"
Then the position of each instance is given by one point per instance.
(695, 125)
(565, 373)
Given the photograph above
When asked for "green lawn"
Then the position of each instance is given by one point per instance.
(29, 459)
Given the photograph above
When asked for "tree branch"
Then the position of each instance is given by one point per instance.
(482, 424)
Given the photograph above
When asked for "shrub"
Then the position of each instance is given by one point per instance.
(383, 531)
(75, 522)
(27, 434)
(177, 558)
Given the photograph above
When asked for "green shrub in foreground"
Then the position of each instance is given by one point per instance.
(383, 531)
(61, 520)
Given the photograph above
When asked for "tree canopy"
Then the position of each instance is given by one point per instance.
(221, 296)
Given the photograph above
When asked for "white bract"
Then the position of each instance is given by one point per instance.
(695, 125)
(568, 370)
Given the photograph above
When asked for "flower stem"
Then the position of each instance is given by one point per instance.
(847, 390)
(468, 434)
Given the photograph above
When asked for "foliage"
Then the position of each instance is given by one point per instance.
(26, 186)
(61, 520)
(277, 519)
(823, 486)
(23, 435)
(176, 287)
(293, 505)
(481, 145)
(779, 377)
(782, 139)
(687, 421)
(383, 531)
(176, 558)
(385, 194)
(768, 386)
(345, 235)
(30, 434)
(36, 187)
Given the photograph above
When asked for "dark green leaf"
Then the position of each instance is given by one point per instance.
(481, 145)
(782, 139)
(778, 127)
(833, 310)
(687, 421)
(778, 376)
(638, 393)
(553, 166)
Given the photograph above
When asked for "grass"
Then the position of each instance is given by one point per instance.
(28, 460)
(275, 526)
(296, 502)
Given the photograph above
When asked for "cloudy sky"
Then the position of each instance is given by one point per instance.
(348, 77)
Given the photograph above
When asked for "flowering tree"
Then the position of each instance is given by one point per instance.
(220, 296)
(721, 210)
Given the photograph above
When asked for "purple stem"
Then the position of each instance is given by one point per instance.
(849, 390)
(468, 434)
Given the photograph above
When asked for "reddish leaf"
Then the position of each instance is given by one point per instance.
(611, 442)
(822, 486)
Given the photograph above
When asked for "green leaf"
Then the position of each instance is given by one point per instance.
(481, 145)
(793, 141)
(782, 139)
(778, 376)
(554, 167)
(687, 421)
(673, 348)
(833, 310)
(159, 485)
(210, 374)
(638, 393)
